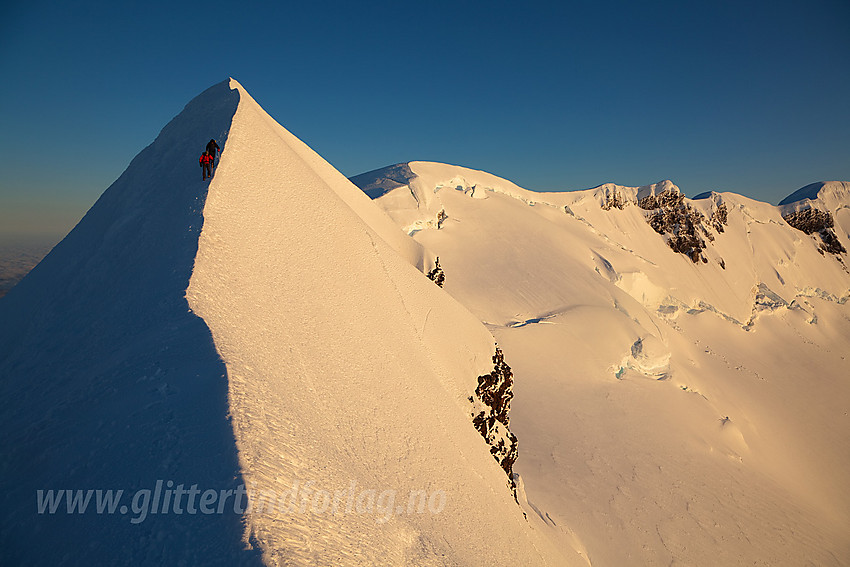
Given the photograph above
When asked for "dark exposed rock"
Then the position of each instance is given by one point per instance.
(664, 200)
(719, 217)
(810, 220)
(491, 405)
(614, 200)
(678, 221)
(831, 243)
(441, 217)
(437, 275)
(684, 227)
(813, 221)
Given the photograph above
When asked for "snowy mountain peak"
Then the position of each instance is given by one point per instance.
(824, 191)
(262, 336)
(117, 384)
(656, 189)
(376, 183)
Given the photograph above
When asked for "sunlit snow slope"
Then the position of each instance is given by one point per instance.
(268, 329)
(672, 407)
(345, 365)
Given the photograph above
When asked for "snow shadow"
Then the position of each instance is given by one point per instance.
(109, 382)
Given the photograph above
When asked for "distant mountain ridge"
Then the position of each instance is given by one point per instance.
(833, 198)
(382, 180)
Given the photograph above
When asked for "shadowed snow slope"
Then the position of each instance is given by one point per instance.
(668, 411)
(270, 329)
(109, 382)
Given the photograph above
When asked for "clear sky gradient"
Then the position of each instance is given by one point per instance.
(750, 97)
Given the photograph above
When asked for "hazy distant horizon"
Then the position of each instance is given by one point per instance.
(19, 256)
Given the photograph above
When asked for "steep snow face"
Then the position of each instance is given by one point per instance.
(350, 372)
(108, 381)
(667, 410)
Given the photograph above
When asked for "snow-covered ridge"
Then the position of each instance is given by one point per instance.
(110, 381)
(718, 232)
(423, 179)
(270, 331)
(320, 322)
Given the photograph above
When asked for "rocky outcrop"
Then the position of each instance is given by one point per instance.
(810, 220)
(813, 221)
(684, 227)
(614, 199)
(437, 275)
(719, 217)
(491, 405)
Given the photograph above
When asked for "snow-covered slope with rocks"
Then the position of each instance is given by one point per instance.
(821, 210)
(266, 333)
(681, 372)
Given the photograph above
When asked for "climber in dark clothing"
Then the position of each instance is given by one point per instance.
(211, 149)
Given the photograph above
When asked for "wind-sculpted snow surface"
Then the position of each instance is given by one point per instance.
(668, 411)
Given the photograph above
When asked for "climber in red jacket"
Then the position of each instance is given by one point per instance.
(206, 165)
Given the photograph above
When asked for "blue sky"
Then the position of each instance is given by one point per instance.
(750, 97)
